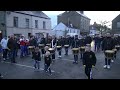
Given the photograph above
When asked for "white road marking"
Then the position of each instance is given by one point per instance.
(24, 65)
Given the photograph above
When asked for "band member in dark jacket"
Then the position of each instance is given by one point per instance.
(59, 43)
(97, 43)
(108, 44)
(53, 45)
(32, 42)
(82, 44)
(88, 40)
(48, 61)
(48, 41)
(66, 42)
(12, 48)
(76, 44)
(37, 58)
(43, 42)
(89, 61)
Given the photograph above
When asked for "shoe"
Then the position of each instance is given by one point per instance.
(60, 56)
(105, 66)
(112, 60)
(108, 66)
(74, 62)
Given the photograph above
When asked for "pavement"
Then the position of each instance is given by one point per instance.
(61, 69)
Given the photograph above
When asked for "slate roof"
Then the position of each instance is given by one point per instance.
(34, 13)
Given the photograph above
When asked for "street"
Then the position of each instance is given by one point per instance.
(61, 69)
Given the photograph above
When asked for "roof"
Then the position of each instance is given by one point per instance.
(34, 13)
(62, 26)
(78, 13)
(82, 14)
(116, 17)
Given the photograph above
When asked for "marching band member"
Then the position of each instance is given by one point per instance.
(88, 40)
(82, 44)
(33, 43)
(75, 44)
(53, 45)
(59, 46)
(89, 61)
(66, 45)
(43, 42)
(108, 44)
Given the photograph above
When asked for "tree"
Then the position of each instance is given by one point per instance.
(102, 27)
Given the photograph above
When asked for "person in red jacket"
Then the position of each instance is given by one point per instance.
(22, 46)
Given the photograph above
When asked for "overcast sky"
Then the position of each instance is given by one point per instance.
(95, 16)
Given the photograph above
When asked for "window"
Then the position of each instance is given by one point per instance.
(118, 24)
(36, 23)
(15, 22)
(27, 23)
(44, 25)
(74, 31)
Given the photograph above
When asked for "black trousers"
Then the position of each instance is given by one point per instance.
(81, 55)
(87, 71)
(59, 53)
(53, 56)
(107, 61)
(43, 51)
(5, 51)
(75, 58)
(66, 51)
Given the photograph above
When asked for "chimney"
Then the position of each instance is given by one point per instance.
(82, 12)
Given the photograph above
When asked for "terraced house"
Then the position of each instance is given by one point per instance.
(78, 20)
(24, 22)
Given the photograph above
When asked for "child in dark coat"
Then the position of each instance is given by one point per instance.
(89, 61)
(48, 61)
(37, 58)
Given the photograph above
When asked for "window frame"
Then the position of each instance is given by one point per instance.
(15, 21)
(36, 23)
(27, 23)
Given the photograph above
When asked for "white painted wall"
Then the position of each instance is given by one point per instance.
(22, 24)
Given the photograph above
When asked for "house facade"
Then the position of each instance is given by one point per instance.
(116, 25)
(62, 30)
(77, 19)
(25, 23)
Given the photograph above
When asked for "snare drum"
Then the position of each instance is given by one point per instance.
(31, 48)
(66, 46)
(109, 54)
(117, 47)
(48, 45)
(41, 46)
(58, 48)
(115, 50)
(75, 51)
(82, 49)
(51, 50)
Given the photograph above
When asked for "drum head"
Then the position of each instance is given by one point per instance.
(66, 45)
(41, 44)
(58, 46)
(109, 51)
(74, 49)
(82, 47)
(114, 49)
(51, 49)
